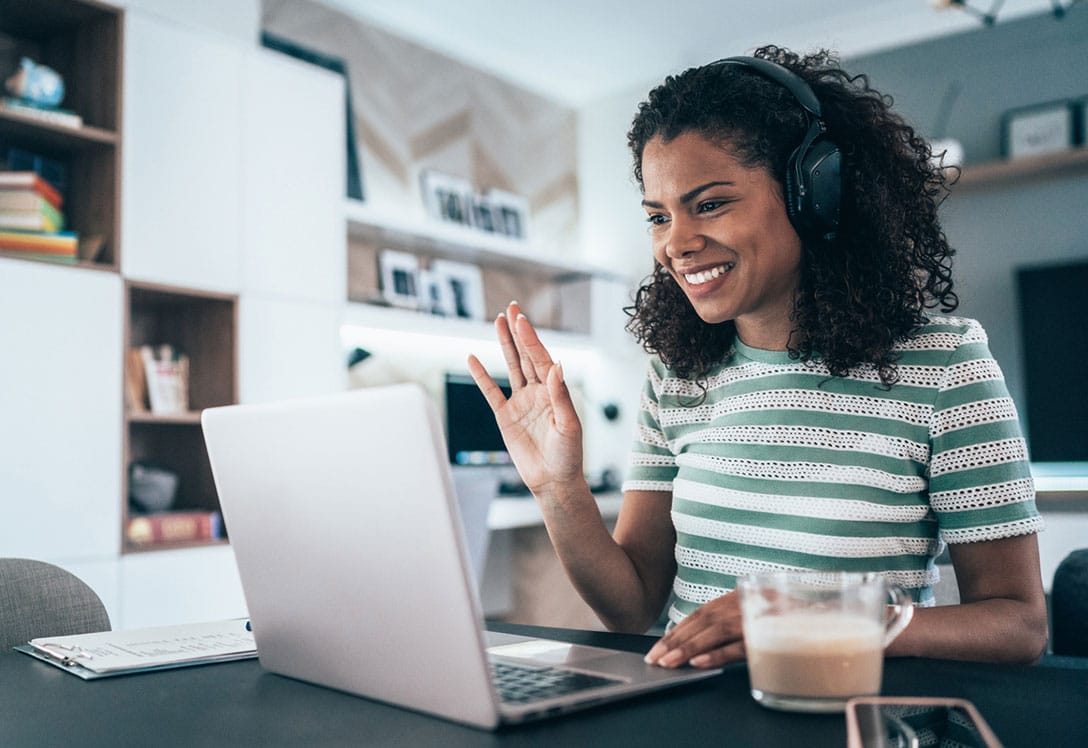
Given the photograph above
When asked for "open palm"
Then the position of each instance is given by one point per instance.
(538, 421)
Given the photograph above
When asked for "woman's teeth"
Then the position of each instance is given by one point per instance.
(703, 276)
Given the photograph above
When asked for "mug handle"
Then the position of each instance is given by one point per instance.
(902, 611)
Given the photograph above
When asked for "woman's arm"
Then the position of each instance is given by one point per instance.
(1002, 613)
(624, 579)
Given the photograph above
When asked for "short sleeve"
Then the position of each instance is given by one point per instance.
(980, 484)
(652, 464)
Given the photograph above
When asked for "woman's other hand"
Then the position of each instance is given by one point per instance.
(710, 637)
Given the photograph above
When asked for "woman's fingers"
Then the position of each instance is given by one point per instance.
(510, 351)
(536, 361)
(491, 391)
(566, 418)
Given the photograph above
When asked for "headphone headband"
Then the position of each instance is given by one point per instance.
(780, 75)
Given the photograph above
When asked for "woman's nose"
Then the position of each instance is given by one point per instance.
(684, 238)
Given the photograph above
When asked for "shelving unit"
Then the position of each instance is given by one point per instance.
(977, 176)
(203, 325)
(557, 291)
(82, 41)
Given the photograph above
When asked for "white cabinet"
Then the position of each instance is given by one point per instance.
(181, 163)
(184, 586)
(288, 349)
(60, 410)
(293, 150)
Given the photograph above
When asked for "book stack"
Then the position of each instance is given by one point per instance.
(157, 376)
(31, 221)
(184, 526)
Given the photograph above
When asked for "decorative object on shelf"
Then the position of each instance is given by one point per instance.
(135, 382)
(151, 488)
(435, 295)
(338, 66)
(946, 152)
(36, 84)
(511, 213)
(446, 197)
(167, 373)
(400, 278)
(1040, 129)
(466, 287)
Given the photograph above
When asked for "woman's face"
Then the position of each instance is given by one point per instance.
(721, 230)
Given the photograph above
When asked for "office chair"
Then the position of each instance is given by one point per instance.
(1069, 605)
(39, 599)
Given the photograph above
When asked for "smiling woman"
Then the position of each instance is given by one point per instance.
(803, 410)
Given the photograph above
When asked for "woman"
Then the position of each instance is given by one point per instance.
(802, 410)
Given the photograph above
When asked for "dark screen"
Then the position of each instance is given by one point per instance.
(1054, 331)
(471, 431)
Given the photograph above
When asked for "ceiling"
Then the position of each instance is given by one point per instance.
(578, 51)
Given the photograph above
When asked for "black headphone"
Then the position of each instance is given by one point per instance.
(813, 173)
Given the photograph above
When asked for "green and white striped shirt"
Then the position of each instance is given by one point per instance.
(783, 467)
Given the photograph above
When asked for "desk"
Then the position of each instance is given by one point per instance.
(238, 704)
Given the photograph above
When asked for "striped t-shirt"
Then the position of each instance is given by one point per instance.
(781, 466)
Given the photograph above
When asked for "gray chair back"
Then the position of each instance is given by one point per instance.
(39, 599)
(1069, 606)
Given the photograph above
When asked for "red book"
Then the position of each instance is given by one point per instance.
(174, 527)
(23, 179)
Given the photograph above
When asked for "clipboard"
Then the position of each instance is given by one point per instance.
(109, 653)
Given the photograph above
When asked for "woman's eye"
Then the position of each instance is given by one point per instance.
(656, 219)
(711, 205)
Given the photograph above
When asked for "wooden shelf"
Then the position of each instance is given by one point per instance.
(203, 325)
(454, 242)
(978, 176)
(82, 41)
(190, 418)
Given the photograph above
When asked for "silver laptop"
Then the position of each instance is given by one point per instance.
(352, 557)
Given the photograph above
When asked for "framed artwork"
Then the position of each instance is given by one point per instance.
(435, 294)
(1040, 129)
(400, 278)
(336, 65)
(510, 212)
(464, 285)
(446, 197)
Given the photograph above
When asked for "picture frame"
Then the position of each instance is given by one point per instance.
(339, 66)
(1041, 129)
(510, 212)
(447, 198)
(435, 294)
(464, 284)
(400, 278)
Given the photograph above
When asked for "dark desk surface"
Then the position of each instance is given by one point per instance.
(238, 704)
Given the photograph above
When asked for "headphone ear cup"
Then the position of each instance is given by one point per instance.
(814, 189)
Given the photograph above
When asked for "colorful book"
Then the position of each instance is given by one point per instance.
(174, 527)
(42, 242)
(24, 180)
(32, 220)
(29, 200)
(52, 115)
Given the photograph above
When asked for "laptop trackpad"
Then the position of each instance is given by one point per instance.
(550, 652)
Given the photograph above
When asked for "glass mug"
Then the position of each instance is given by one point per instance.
(816, 639)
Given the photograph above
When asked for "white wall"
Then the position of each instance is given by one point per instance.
(239, 19)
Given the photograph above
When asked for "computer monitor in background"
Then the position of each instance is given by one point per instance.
(471, 432)
(1054, 338)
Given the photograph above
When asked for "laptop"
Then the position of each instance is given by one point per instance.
(352, 556)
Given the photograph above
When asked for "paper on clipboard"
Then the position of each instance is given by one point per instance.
(109, 653)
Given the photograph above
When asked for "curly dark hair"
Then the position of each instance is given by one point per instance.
(861, 292)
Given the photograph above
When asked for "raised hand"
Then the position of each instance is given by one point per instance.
(538, 421)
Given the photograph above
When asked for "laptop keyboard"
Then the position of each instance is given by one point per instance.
(520, 684)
